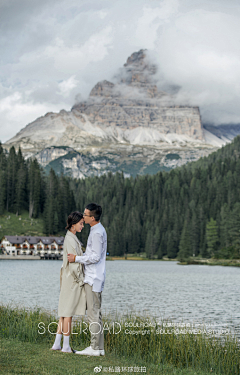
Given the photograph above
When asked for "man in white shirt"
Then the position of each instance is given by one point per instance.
(94, 261)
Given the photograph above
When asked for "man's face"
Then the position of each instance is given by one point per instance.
(87, 216)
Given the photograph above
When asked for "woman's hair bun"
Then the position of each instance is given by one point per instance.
(73, 218)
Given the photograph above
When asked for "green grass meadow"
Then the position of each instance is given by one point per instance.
(21, 225)
(25, 344)
(25, 358)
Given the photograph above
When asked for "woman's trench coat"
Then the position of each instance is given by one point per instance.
(72, 300)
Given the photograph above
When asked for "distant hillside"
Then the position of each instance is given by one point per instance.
(230, 151)
(20, 225)
(227, 131)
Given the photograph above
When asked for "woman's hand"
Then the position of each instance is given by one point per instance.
(71, 258)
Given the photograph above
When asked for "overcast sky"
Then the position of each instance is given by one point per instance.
(53, 51)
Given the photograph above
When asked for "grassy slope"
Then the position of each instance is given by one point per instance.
(11, 225)
(26, 358)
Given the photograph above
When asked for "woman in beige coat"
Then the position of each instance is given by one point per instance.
(72, 300)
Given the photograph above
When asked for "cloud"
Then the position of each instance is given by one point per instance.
(148, 23)
(70, 59)
(15, 113)
(198, 53)
(66, 86)
(54, 51)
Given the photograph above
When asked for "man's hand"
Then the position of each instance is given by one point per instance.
(71, 258)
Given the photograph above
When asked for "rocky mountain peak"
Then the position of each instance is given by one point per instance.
(135, 79)
(127, 122)
(138, 69)
(102, 88)
(136, 58)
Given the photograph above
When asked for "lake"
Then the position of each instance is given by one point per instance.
(165, 290)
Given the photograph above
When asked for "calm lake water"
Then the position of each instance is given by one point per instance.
(165, 290)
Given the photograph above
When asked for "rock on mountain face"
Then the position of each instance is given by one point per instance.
(124, 125)
(134, 101)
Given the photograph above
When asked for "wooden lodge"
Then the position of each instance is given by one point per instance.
(45, 247)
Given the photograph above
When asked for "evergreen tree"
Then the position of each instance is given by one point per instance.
(172, 246)
(234, 227)
(185, 247)
(21, 202)
(195, 232)
(55, 223)
(50, 204)
(35, 188)
(21, 195)
(2, 191)
(160, 251)
(225, 226)
(11, 179)
(149, 246)
(3, 181)
(212, 236)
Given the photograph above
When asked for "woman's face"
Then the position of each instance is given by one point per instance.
(79, 226)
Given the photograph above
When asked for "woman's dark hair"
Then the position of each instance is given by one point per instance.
(73, 218)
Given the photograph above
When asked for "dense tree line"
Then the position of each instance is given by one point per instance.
(24, 187)
(188, 211)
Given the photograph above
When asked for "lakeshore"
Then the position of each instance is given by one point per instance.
(20, 257)
(212, 262)
(191, 261)
(36, 257)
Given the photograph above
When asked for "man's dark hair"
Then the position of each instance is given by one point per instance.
(95, 210)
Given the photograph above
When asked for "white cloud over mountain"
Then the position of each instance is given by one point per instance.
(52, 51)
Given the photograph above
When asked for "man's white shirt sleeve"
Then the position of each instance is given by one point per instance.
(95, 254)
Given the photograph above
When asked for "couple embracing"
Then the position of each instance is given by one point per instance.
(82, 280)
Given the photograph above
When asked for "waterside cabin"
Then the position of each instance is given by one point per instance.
(45, 247)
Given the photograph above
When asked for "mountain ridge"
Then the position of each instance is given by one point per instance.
(126, 121)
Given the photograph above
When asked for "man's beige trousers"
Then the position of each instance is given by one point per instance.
(94, 301)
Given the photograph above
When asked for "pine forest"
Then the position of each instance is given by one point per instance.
(192, 210)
